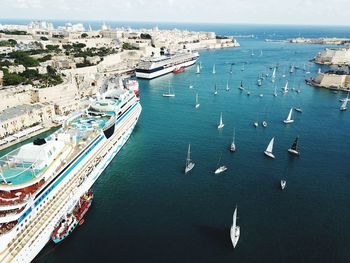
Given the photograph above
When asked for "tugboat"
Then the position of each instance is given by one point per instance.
(179, 70)
(69, 222)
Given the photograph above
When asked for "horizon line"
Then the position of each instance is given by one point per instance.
(170, 22)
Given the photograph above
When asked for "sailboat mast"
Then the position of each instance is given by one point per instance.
(188, 159)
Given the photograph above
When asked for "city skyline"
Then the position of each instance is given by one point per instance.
(299, 12)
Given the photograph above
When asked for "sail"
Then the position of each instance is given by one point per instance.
(295, 144)
(270, 146)
(273, 74)
(221, 119)
(188, 159)
(290, 115)
(196, 98)
(234, 221)
(198, 69)
(242, 84)
(214, 69)
(344, 104)
(286, 86)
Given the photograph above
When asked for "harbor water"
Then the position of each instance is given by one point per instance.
(145, 209)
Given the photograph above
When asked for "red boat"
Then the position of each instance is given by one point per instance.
(179, 70)
(72, 219)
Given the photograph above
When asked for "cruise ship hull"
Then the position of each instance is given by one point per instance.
(160, 72)
(35, 232)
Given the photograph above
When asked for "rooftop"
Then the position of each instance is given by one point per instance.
(18, 111)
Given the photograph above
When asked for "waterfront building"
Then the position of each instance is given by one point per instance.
(331, 81)
(23, 116)
(340, 56)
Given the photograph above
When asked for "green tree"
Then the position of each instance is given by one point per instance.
(84, 35)
(145, 36)
(13, 79)
(23, 58)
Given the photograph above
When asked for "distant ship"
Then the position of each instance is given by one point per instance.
(153, 67)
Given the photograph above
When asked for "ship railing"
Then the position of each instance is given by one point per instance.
(19, 166)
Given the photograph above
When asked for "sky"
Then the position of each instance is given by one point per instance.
(304, 12)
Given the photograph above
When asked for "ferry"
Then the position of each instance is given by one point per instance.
(153, 67)
(41, 181)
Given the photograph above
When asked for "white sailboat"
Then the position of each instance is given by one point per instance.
(215, 90)
(227, 87)
(233, 145)
(283, 184)
(291, 69)
(235, 230)
(221, 124)
(343, 106)
(275, 92)
(220, 169)
(259, 82)
(285, 88)
(189, 164)
(241, 86)
(289, 117)
(256, 123)
(197, 101)
(273, 77)
(269, 149)
(214, 71)
(294, 148)
(345, 99)
(169, 93)
(252, 54)
(190, 86)
(198, 71)
(298, 109)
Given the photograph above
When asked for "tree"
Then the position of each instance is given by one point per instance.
(145, 36)
(53, 48)
(44, 38)
(30, 74)
(23, 58)
(13, 79)
(128, 46)
(84, 35)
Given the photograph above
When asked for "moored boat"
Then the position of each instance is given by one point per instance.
(179, 70)
(70, 221)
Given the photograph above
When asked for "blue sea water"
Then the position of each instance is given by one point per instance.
(147, 210)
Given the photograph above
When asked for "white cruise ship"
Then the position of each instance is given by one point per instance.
(41, 181)
(153, 67)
